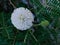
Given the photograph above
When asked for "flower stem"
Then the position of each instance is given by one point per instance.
(36, 25)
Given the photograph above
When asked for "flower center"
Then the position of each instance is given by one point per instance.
(22, 18)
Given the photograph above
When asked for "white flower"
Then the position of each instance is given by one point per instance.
(22, 18)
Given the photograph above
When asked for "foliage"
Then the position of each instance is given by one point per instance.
(46, 35)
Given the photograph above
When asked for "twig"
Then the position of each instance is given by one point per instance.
(44, 3)
(4, 27)
(26, 37)
(7, 33)
(33, 36)
(12, 4)
(17, 31)
(15, 38)
(14, 41)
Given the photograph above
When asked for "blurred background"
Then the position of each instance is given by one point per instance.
(48, 33)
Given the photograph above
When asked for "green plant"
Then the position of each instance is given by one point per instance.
(46, 35)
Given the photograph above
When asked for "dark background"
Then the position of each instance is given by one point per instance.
(43, 10)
